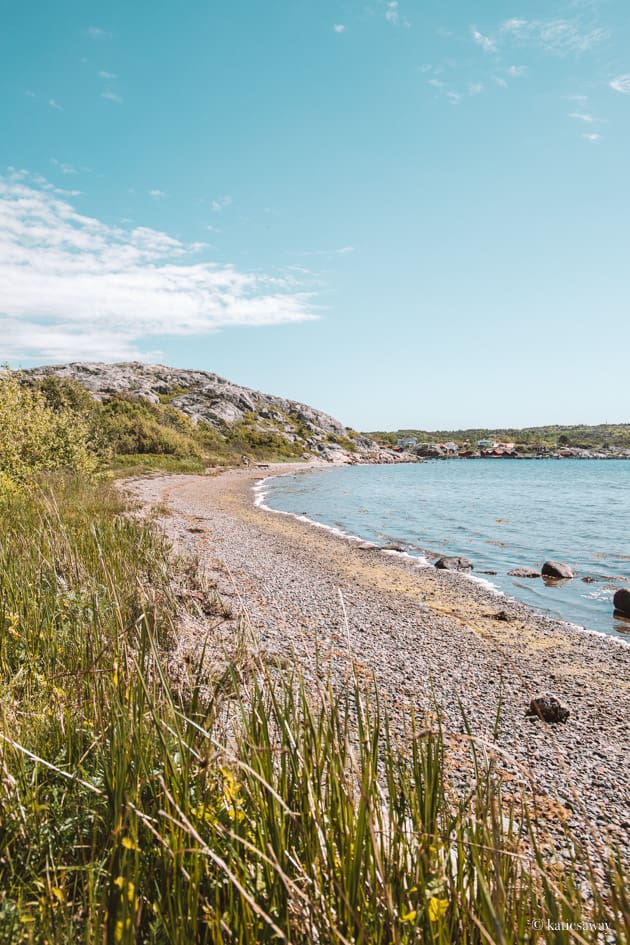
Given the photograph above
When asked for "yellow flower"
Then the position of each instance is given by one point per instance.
(436, 908)
(128, 844)
(409, 916)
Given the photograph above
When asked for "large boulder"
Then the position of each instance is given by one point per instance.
(524, 573)
(621, 601)
(557, 569)
(548, 708)
(454, 564)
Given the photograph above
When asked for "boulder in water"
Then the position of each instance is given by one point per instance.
(454, 564)
(621, 601)
(524, 573)
(557, 569)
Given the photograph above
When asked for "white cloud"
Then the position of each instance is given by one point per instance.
(454, 98)
(63, 167)
(339, 28)
(583, 116)
(95, 32)
(392, 14)
(592, 137)
(103, 74)
(488, 45)
(621, 84)
(72, 286)
(500, 81)
(220, 203)
(517, 72)
(559, 37)
(111, 97)
(55, 105)
(475, 88)
(158, 194)
(515, 25)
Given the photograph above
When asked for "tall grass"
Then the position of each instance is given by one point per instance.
(135, 810)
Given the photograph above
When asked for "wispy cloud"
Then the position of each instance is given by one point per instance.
(220, 203)
(111, 96)
(560, 37)
(63, 167)
(453, 96)
(584, 116)
(339, 28)
(593, 136)
(53, 104)
(104, 74)
(75, 287)
(621, 84)
(157, 194)
(517, 72)
(487, 44)
(393, 14)
(341, 251)
(95, 32)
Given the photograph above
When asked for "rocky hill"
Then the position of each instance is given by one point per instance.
(206, 397)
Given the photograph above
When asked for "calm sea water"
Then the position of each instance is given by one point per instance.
(501, 514)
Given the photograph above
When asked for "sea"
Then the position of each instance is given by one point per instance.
(500, 513)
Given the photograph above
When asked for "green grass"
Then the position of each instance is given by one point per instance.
(139, 464)
(232, 805)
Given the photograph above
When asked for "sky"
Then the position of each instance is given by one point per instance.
(407, 213)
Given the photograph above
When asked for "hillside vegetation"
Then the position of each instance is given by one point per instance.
(147, 799)
(602, 436)
(63, 426)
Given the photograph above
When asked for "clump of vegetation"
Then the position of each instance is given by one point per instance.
(34, 436)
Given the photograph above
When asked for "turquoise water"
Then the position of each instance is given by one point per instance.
(501, 514)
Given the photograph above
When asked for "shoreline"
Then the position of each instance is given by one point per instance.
(433, 641)
(419, 561)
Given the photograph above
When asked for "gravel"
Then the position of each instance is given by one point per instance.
(432, 639)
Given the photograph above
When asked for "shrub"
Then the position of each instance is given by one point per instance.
(35, 437)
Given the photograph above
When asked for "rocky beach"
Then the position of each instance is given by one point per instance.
(434, 641)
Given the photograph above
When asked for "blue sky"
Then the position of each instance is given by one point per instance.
(406, 214)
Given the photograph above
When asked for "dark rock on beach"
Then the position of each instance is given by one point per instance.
(557, 569)
(454, 564)
(621, 600)
(548, 708)
(524, 573)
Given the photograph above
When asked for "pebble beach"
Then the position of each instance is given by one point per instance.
(433, 641)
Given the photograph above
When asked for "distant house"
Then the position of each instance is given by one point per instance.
(407, 441)
(486, 444)
(450, 449)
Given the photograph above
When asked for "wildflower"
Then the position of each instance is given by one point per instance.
(436, 908)
(409, 916)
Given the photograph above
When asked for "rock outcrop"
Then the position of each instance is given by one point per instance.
(204, 396)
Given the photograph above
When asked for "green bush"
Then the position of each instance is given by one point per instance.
(37, 437)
